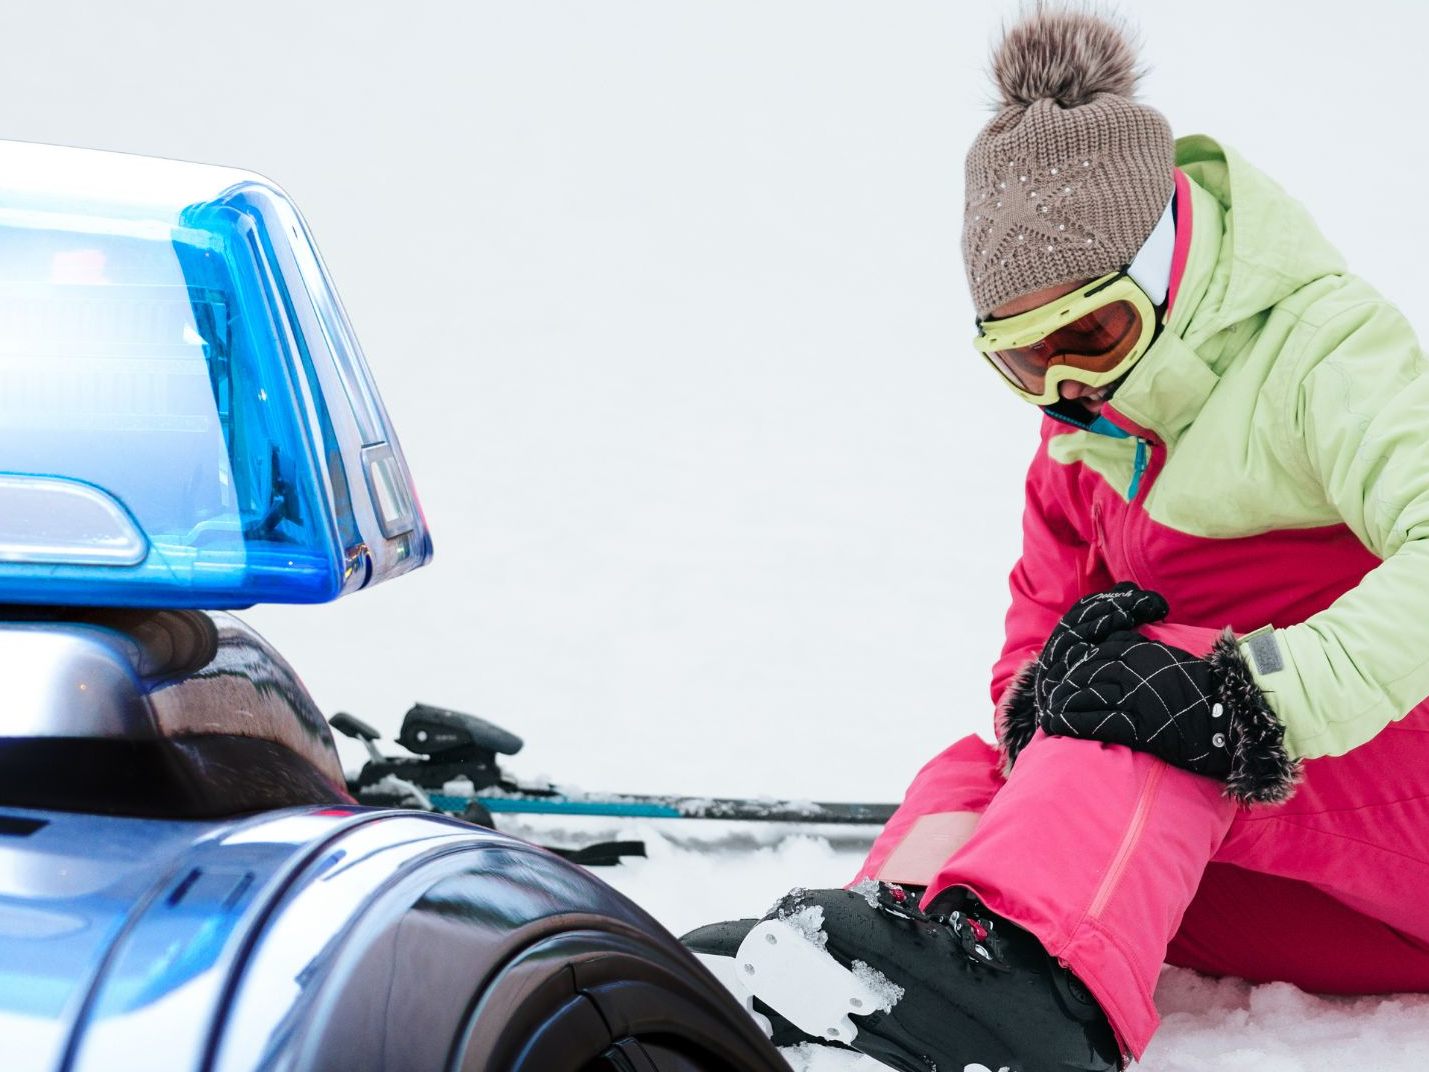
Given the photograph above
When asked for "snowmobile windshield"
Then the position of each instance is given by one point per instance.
(185, 418)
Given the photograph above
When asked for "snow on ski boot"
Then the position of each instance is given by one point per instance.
(716, 945)
(956, 989)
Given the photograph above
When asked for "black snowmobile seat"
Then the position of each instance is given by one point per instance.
(179, 714)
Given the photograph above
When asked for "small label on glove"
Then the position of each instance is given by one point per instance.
(1265, 650)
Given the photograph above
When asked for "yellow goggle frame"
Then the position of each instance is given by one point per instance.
(1026, 329)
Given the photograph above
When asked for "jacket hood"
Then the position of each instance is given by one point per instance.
(1269, 246)
(1251, 246)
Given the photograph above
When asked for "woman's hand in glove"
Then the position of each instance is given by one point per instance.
(1148, 695)
(1183, 694)
(1090, 621)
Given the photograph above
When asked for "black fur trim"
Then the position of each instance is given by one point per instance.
(1017, 715)
(1262, 771)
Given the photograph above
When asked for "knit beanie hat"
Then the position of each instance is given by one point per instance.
(1068, 179)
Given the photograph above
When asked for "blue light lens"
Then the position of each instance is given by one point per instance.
(185, 419)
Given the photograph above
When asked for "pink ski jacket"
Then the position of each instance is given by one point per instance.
(1265, 467)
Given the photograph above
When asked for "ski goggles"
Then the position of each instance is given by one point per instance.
(1092, 336)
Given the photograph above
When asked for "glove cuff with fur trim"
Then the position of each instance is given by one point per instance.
(1017, 714)
(1262, 771)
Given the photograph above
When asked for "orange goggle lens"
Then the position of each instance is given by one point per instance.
(1098, 342)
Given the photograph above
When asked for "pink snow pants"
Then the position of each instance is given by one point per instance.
(1119, 862)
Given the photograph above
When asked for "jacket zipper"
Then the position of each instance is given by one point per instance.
(1138, 469)
(1133, 527)
(1128, 840)
(1098, 551)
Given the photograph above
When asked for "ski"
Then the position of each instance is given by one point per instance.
(455, 770)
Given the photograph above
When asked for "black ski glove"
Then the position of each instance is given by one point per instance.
(1074, 638)
(1090, 621)
(1100, 677)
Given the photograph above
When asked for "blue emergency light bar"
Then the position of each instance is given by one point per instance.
(186, 419)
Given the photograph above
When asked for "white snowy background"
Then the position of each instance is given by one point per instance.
(665, 300)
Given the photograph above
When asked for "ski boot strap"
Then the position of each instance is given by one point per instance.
(973, 927)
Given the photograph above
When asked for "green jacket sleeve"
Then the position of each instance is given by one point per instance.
(1359, 429)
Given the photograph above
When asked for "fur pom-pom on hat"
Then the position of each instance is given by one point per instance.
(1068, 179)
(1065, 55)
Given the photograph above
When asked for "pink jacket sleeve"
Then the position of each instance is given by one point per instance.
(1059, 562)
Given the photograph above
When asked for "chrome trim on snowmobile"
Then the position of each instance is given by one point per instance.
(148, 908)
(140, 675)
(255, 910)
(318, 974)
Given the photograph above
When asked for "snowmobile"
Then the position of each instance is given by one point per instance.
(187, 427)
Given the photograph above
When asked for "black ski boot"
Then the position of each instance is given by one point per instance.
(717, 945)
(921, 992)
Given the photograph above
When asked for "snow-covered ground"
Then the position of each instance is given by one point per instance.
(699, 872)
(666, 302)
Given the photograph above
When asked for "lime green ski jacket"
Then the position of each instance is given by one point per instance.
(1265, 467)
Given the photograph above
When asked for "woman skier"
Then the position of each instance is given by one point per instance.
(1213, 749)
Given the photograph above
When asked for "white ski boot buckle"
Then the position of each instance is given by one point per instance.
(780, 965)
